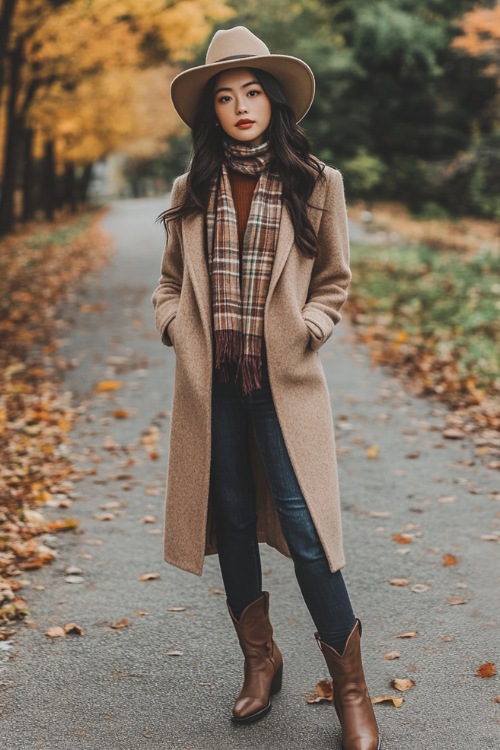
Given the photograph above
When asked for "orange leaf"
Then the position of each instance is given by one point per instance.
(121, 414)
(123, 623)
(449, 560)
(402, 539)
(63, 525)
(108, 385)
(323, 692)
(486, 670)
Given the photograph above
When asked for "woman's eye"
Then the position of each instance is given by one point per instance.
(224, 99)
(253, 92)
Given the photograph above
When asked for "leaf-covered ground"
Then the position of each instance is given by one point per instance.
(38, 269)
(433, 315)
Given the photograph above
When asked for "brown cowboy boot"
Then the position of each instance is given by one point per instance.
(263, 661)
(350, 694)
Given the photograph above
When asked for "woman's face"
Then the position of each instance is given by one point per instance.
(241, 106)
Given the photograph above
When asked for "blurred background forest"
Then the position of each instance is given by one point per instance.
(407, 104)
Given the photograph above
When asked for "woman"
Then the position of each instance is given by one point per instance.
(254, 274)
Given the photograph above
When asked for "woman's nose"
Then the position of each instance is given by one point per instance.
(241, 107)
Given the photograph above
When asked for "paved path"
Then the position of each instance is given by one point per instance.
(119, 689)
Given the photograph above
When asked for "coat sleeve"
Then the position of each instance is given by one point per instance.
(331, 274)
(166, 296)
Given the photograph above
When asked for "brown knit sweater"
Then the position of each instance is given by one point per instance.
(242, 186)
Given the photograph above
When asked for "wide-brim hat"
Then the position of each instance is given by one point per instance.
(239, 48)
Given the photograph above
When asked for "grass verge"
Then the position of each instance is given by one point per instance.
(433, 314)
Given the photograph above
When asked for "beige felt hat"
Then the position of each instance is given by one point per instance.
(236, 48)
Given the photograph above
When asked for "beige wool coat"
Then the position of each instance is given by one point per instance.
(303, 305)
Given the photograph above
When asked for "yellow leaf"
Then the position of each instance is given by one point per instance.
(108, 385)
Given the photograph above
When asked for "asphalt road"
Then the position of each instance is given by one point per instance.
(167, 680)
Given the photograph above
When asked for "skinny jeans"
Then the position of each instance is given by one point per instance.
(233, 501)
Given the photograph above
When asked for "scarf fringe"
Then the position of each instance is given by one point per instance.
(228, 348)
(251, 371)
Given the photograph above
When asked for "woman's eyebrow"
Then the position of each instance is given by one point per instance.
(228, 88)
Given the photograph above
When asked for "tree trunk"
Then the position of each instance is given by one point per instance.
(85, 182)
(49, 181)
(8, 7)
(14, 126)
(69, 186)
(28, 176)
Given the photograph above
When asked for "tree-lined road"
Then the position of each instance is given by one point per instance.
(167, 679)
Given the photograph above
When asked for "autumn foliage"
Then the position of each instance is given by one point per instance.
(36, 273)
(80, 79)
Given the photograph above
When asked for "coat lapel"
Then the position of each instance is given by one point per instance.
(286, 236)
(193, 232)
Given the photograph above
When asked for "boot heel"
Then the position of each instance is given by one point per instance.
(277, 681)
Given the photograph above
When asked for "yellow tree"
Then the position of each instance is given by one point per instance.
(93, 41)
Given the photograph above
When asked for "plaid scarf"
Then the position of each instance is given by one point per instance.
(238, 310)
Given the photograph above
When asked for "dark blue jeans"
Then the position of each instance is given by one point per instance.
(232, 495)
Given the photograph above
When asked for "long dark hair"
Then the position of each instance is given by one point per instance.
(291, 159)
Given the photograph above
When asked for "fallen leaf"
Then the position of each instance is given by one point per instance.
(453, 600)
(176, 609)
(73, 629)
(121, 414)
(56, 632)
(108, 385)
(409, 634)
(392, 655)
(215, 592)
(68, 524)
(486, 670)
(322, 692)
(372, 452)
(402, 539)
(173, 652)
(149, 577)
(400, 582)
(413, 454)
(420, 588)
(397, 702)
(104, 516)
(449, 560)
(447, 499)
(123, 623)
(453, 434)
(149, 519)
(403, 683)
(496, 699)
(378, 514)
(74, 579)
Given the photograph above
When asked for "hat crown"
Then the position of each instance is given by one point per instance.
(234, 43)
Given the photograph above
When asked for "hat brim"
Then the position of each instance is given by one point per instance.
(295, 76)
